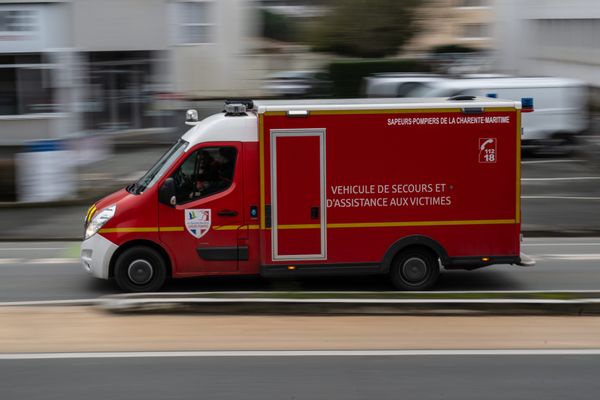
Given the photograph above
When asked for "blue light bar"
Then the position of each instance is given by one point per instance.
(527, 103)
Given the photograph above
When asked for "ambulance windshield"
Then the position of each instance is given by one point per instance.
(161, 166)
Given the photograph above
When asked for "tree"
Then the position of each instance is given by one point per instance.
(366, 28)
(278, 27)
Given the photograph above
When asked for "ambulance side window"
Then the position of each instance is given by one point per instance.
(205, 172)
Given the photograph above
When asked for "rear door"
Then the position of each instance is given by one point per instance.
(298, 194)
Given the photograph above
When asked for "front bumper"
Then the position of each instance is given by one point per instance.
(96, 253)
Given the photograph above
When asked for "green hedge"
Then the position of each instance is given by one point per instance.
(346, 76)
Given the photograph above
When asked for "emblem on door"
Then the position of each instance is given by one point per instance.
(197, 222)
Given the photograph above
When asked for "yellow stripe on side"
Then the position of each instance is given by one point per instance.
(226, 227)
(234, 227)
(171, 229)
(261, 152)
(421, 223)
(128, 230)
(518, 178)
(299, 226)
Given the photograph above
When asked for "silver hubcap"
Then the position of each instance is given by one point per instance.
(140, 272)
(414, 269)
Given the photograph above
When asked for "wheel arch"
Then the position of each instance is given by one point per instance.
(412, 241)
(140, 242)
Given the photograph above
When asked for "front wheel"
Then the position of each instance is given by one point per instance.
(415, 269)
(140, 269)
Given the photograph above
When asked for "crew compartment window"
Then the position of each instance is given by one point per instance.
(205, 172)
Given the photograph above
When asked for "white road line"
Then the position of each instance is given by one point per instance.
(52, 261)
(6, 261)
(550, 161)
(78, 302)
(560, 244)
(31, 248)
(558, 198)
(300, 353)
(565, 178)
(573, 257)
(38, 261)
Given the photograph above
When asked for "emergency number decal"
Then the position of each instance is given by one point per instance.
(487, 150)
(197, 222)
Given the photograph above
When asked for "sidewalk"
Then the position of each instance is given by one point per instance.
(69, 329)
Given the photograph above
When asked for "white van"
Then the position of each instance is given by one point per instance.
(560, 105)
(396, 84)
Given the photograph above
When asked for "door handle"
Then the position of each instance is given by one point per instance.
(314, 213)
(227, 213)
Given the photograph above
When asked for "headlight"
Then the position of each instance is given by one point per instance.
(99, 220)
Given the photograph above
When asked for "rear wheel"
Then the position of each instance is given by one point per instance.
(140, 269)
(415, 269)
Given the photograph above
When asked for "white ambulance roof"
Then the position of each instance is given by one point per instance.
(378, 104)
(222, 128)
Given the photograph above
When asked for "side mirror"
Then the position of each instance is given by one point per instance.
(166, 193)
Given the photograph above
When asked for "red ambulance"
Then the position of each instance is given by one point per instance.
(321, 187)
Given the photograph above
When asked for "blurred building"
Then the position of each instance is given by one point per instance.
(550, 37)
(69, 66)
(460, 22)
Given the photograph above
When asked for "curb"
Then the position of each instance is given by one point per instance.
(270, 306)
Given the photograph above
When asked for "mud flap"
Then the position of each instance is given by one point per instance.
(525, 261)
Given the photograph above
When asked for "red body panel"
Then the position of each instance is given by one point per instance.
(389, 176)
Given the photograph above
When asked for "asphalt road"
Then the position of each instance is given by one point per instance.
(51, 271)
(489, 377)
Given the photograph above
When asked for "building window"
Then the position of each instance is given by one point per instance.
(195, 22)
(471, 3)
(25, 85)
(18, 21)
(474, 31)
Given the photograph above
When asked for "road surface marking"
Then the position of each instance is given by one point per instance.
(77, 302)
(560, 244)
(5, 261)
(31, 248)
(38, 261)
(573, 257)
(300, 353)
(558, 198)
(564, 178)
(52, 260)
(551, 161)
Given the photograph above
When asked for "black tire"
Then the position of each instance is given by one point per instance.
(415, 269)
(140, 269)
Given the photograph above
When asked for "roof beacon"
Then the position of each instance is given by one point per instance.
(235, 109)
(191, 117)
(527, 104)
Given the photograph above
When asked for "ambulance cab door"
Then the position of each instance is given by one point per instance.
(200, 231)
(299, 213)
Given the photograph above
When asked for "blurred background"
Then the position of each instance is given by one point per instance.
(92, 92)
